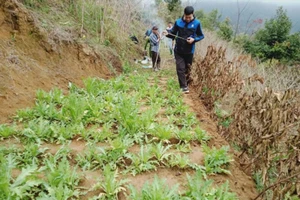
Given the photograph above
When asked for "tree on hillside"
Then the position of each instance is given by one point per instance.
(169, 10)
(209, 21)
(239, 14)
(173, 4)
(158, 2)
(225, 30)
(274, 40)
(276, 29)
(174, 8)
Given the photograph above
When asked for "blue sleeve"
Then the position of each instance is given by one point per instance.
(199, 34)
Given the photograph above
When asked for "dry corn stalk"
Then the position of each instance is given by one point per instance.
(266, 125)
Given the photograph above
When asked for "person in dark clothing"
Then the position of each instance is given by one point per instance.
(154, 42)
(186, 31)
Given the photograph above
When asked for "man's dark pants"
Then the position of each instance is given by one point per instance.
(155, 60)
(183, 68)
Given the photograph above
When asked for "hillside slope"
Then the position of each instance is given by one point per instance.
(30, 60)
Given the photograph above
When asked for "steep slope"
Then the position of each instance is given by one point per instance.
(30, 60)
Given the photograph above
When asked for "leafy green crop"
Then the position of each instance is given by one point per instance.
(199, 188)
(112, 118)
(110, 186)
(6, 131)
(27, 184)
(216, 159)
(158, 190)
(142, 162)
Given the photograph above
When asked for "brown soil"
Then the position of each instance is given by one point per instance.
(29, 61)
(239, 182)
(27, 64)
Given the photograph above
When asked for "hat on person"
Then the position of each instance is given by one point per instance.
(154, 28)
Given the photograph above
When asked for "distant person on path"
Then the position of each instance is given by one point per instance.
(170, 40)
(186, 31)
(154, 43)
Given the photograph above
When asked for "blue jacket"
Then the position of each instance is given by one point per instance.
(184, 30)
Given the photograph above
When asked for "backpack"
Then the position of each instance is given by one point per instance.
(148, 32)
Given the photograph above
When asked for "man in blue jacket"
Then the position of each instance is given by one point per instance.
(186, 31)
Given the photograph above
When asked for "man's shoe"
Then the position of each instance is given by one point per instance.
(185, 90)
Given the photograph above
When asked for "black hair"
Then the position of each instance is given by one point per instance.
(154, 28)
(189, 10)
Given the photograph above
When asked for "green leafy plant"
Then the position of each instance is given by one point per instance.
(95, 86)
(199, 188)
(158, 190)
(127, 115)
(226, 122)
(24, 115)
(110, 186)
(98, 157)
(258, 180)
(6, 131)
(97, 134)
(26, 186)
(31, 155)
(75, 109)
(61, 179)
(54, 96)
(147, 118)
(184, 147)
(142, 162)
(216, 159)
(122, 143)
(184, 135)
(179, 161)
(164, 133)
(43, 130)
(201, 135)
(178, 109)
(161, 152)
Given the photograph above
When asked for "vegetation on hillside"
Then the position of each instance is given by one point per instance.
(113, 117)
(272, 42)
(109, 118)
(104, 25)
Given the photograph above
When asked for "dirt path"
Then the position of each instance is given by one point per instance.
(240, 183)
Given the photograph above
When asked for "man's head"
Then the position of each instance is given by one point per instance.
(170, 24)
(154, 29)
(188, 14)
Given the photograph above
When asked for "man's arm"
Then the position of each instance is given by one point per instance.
(173, 31)
(153, 39)
(199, 33)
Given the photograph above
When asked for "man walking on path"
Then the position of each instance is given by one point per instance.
(154, 42)
(186, 31)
